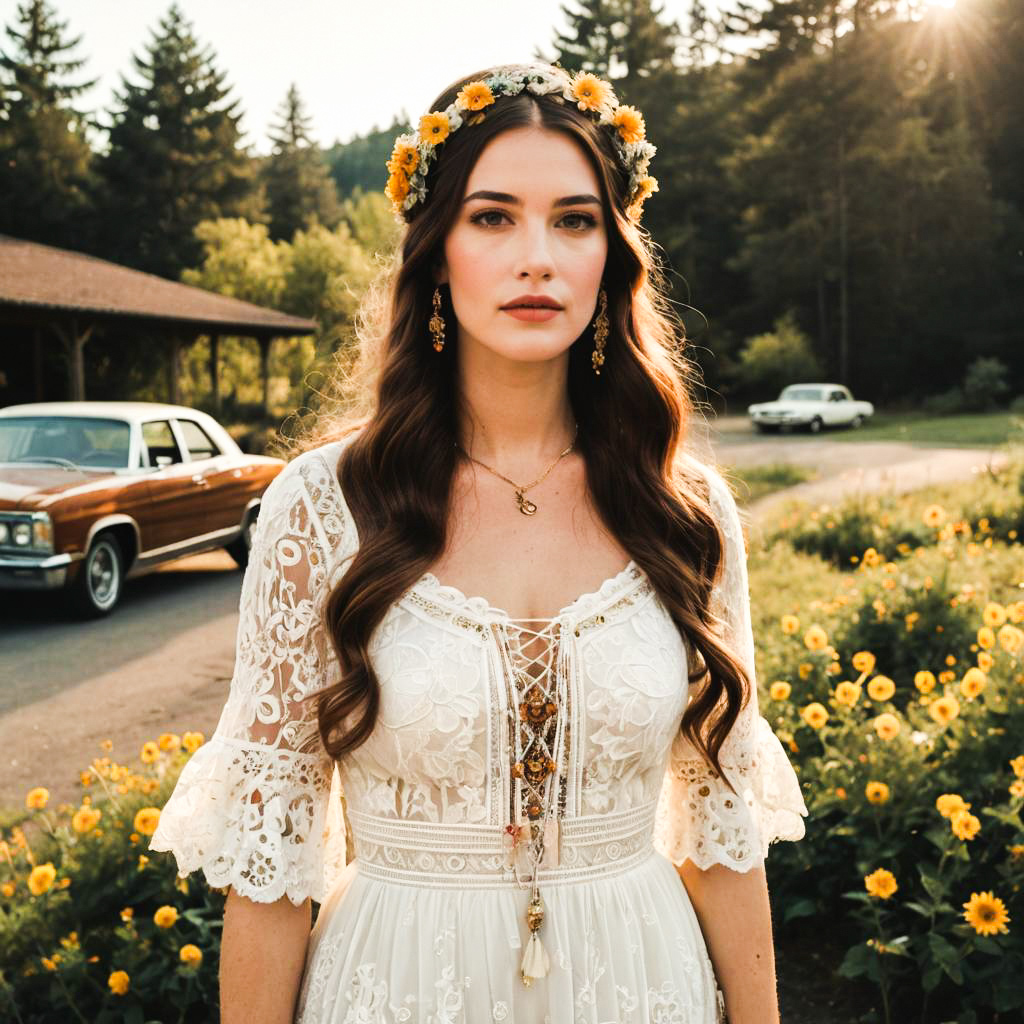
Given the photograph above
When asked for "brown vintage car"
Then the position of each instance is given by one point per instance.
(94, 493)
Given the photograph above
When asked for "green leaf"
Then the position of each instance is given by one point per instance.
(857, 961)
(801, 908)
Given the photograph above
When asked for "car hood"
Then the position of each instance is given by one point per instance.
(37, 486)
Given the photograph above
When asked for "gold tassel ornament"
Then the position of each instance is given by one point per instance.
(536, 962)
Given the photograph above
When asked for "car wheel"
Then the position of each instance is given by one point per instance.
(238, 549)
(856, 422)
(815, 425)
(100, 580)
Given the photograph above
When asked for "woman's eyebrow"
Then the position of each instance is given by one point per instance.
(504, 197)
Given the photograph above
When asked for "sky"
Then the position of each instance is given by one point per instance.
(356, 65)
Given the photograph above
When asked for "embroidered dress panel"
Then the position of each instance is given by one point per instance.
(427, 921)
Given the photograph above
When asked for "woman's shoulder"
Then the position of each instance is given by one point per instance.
(720, 491)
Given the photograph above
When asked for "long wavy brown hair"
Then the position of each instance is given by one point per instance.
(397, 474)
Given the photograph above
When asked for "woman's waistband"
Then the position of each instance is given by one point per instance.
(438, 855)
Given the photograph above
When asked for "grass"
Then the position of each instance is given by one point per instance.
(968, 430)
(755, 482)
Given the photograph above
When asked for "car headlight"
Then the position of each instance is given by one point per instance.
(42, 531)
(27, 531)
(4, 534)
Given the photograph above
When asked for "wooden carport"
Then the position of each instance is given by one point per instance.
(70, 295)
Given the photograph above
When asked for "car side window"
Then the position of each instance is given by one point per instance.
(198, 442)
(159, 440)
(838, 396)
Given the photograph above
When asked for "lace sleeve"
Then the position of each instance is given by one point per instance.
(258, 807)
(699, 817)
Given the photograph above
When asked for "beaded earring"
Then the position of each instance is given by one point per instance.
(437, 322)
(600, 333)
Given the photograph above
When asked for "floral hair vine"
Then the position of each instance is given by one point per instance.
(413, 153)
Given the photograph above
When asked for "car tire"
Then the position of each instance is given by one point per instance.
(856, 422)
(97, 588)
(815, 425)
(238, 549)
(762, 428)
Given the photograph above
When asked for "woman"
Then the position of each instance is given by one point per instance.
(525, 786)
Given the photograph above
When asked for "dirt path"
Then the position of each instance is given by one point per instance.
(181, 684)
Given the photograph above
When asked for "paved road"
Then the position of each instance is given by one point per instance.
(164, 659)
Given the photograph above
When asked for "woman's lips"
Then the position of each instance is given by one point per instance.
(534, 313)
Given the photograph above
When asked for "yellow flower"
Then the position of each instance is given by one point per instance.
(847, 693)
(85, 818)
(434, 127)
(881, 883)
(815, 715)
(118, 983)
(973, 683)
(107, 745)
(169, 741)
(887, 726)
(36, 799)
(985, 661)
(790, 624)
(41, 878)
(876, 792)
(143, 861)
(994, 614)
(964, 824)
(1017, 764)
(590, 92)
(191, 956)
(7, 889)
(881, 688)
(949, 803)
(934, 515)
(986, 913)
(1015, 612)
(1011, 639)
(474, 96)
(192, 741)
(48, 963)
(165, 917)
(780, 690)
(149, 753)
(644, 189)
(815, 638)
(864, 661)
(944, 709)
(804, 669)
(1017, 787)
(146, 820)
(986, 638)
(127, 914)
(397, 188)
(630, 123)
(924, 681)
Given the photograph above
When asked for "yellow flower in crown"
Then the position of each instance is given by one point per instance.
(590, 92)
(630, 123)
(405, 158)
(474, 96)
(397, 188)
(434, 128)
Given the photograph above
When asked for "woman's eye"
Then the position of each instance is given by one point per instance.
(478, 218)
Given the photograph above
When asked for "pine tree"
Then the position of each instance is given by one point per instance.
(44, 149)
(298, 186)
(175, 155)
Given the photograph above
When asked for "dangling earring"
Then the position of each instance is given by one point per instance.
(600, 333)
(437, 322)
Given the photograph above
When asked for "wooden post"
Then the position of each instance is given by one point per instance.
(265, 344)
(74, 343)
(173, 370)
(214, 371)
(37, 363)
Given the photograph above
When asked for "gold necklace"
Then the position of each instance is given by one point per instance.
(527, 507)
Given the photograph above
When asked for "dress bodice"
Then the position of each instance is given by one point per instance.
(259, 806)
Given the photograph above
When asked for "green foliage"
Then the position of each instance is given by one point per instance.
(63, 944)
(175, 156)
(44, 149)
(985, 384)
(770, 361)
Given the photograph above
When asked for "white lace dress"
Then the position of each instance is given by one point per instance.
(426, 923)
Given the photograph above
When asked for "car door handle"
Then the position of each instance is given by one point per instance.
(199, 478)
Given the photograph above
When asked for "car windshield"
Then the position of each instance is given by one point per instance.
(800, 394)
(84, 441)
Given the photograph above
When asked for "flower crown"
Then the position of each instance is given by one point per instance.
(413, 153)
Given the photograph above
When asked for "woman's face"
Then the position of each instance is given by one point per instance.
(531, 223)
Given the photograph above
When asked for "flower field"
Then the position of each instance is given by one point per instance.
(890, 645)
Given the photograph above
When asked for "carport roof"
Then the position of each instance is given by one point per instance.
(43, 279)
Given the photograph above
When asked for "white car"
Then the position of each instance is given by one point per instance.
(810, 405)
